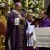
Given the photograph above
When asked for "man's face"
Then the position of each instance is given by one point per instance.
(42, 15)
(30, 17)
(19, 7)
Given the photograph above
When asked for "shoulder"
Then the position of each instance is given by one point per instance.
(11, 13)
(47, 20)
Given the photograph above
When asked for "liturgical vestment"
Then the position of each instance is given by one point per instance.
(16, 33)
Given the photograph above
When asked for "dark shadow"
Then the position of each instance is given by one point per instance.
(48, 10)
(16, 1)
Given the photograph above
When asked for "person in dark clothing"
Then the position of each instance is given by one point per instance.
(16, 29)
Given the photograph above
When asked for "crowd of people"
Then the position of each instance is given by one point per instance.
(17, 29)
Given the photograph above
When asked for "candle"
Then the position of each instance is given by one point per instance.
(0, 0)
(9, 2)
(27, 3)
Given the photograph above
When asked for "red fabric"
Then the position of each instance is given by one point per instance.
(2, 29)
(30, 48)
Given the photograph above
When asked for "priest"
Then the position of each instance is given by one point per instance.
(16, 29)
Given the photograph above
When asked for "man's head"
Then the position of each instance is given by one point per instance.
(18, 6)
(43, 14)
(29, 16)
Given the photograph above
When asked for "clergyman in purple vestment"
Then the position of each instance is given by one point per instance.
(44, 22)
(16, 32)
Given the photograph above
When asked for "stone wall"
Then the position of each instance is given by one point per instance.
(46, 4)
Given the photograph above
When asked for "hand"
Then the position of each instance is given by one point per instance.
(21, 18)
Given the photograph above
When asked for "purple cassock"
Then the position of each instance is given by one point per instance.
(44, 22)
(16, 33)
